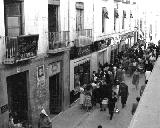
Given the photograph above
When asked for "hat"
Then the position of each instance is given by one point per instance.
(44, 112)
(81, 89)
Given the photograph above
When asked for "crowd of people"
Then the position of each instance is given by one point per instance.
(108, 84)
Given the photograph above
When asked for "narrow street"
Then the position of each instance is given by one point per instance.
(121, 120)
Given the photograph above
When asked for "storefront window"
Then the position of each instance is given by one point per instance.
(81, 78)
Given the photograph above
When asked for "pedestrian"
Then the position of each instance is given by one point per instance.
(147, 74)
(99, 126)
(134, 106)
(111, 105)
(44, 120)
(119, 74)
(123, 92)
(87, 101)
(134, 65)
(82, 97)
(135, 80)
(143, 87)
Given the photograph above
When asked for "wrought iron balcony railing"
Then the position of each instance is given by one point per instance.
(58, 40)
(10, 45)
(19, 48)
(85, 32)
(83, 37)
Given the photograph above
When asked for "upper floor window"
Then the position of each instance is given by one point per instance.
(103, 20)
(79, 16)
(123, 19)
(53, 18)
(14, 24)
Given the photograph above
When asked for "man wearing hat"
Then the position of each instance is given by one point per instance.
(44, 120)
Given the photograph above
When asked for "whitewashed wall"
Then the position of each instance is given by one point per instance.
(2, 30)
(36, 21)
(64, 12)
(88, 16)
(109, 23)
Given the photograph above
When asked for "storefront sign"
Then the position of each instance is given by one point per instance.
(27, 47)
(79, 5)
(4, 108)
(40, 76)
(54, 68)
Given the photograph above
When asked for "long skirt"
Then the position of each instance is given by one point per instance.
(87, 102)
(82, 98)
(135, 80)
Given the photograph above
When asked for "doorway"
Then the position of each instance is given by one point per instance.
(55, 94)
(17, 96)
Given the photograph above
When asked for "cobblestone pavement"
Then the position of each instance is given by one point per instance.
(121, 120)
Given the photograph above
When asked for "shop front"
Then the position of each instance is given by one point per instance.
(29, 85)
(79, 75)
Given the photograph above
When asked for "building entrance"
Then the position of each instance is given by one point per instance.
(17, 97)
(55, 94)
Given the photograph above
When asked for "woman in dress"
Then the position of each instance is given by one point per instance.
(87, 101)
(135, 80)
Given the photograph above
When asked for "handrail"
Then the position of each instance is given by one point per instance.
(58, 39)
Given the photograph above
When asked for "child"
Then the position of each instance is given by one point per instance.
(82, 97)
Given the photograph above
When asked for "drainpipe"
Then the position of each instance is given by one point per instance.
(68, 17)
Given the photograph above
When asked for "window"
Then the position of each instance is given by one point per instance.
(140, 24)
(14, 24)
(115, 17)
(79, 19)
(124, 16)
(123, 23)
(53, 19)
(103, 20)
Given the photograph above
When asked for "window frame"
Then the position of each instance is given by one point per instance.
(81, 21)
(20, 16)
(57, 17)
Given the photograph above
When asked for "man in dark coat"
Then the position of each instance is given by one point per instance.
(111, 105)
(123, 92)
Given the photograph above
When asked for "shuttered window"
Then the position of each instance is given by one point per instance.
(79, 19)
(53, 19)
(14, 23)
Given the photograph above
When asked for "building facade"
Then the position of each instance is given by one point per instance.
(34, 60)
(49, 49)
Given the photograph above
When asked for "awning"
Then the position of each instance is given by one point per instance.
(81, 60)
(82, 41)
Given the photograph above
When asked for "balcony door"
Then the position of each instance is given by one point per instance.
(14, 22)
(53, 18)
(55, 94)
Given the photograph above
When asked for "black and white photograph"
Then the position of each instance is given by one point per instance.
(79, 64)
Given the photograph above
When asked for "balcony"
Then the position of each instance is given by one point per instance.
(83, 44)
(83, 37)
(58, 41)
(19, 48)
